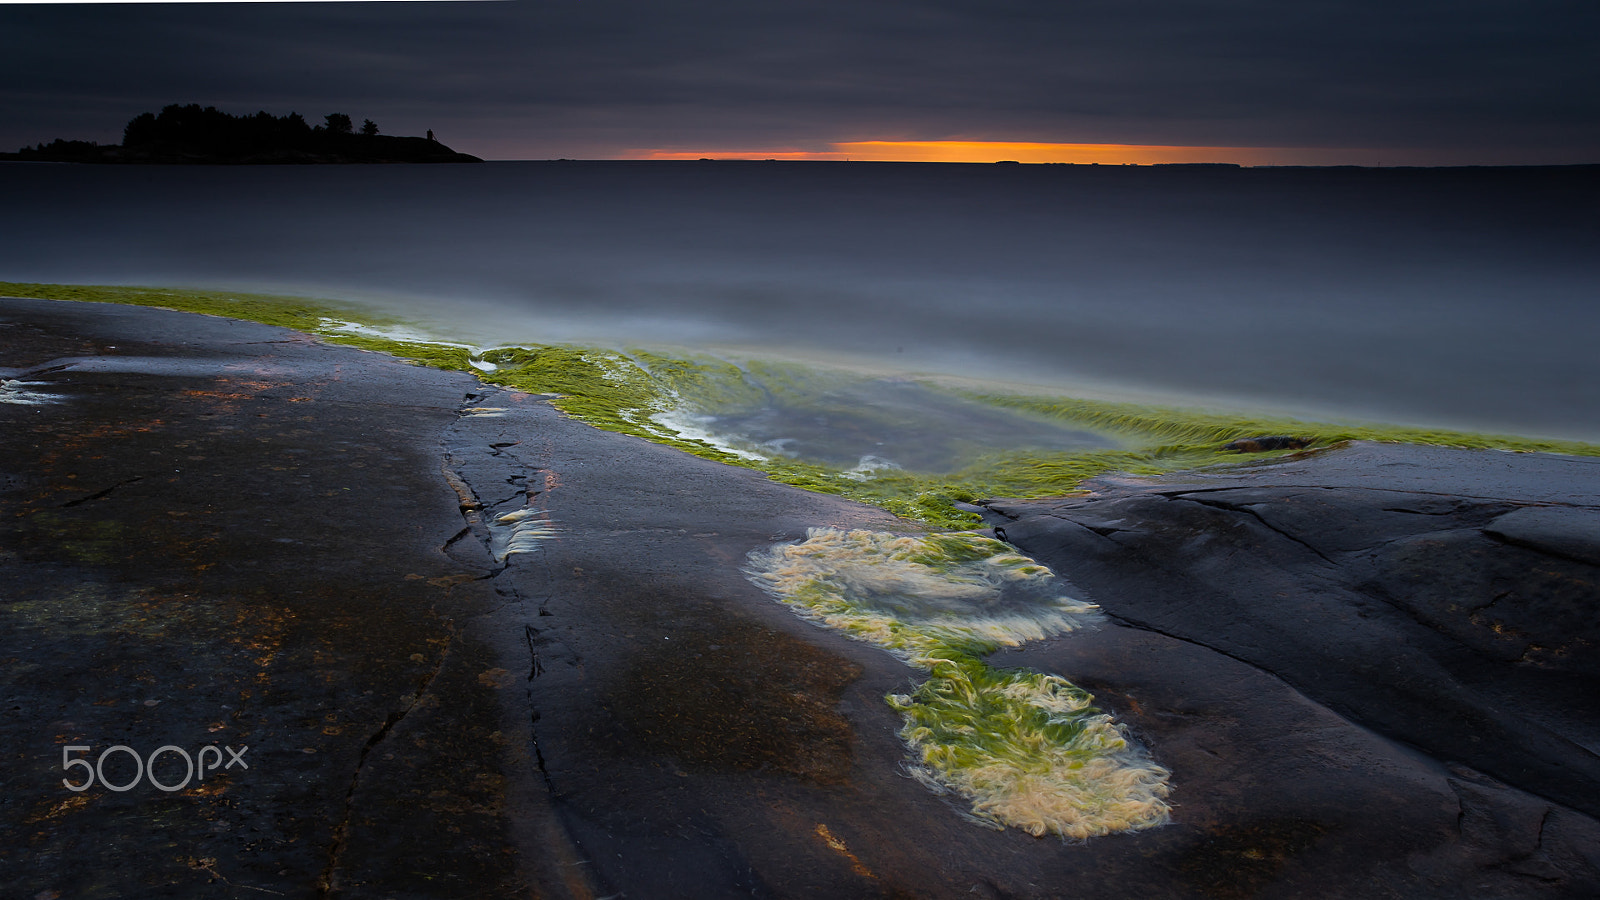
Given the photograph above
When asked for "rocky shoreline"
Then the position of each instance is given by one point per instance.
(477, 648)
(1443, 602)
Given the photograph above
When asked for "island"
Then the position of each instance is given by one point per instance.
(195, 135)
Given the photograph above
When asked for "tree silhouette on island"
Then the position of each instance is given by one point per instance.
(192, 134)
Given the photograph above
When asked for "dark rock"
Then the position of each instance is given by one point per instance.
(1560, 531)
(217, 532)
(1265, 443)
(1387, 600)
(525, 660)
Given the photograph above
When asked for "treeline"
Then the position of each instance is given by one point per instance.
(195, 134)
(214, 131)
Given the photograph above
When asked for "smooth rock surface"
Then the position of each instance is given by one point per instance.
(1450, 618)
(479, 649)
(224, 534)
(1559, 531)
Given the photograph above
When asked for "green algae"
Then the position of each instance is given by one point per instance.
(706, 382)
(1026, 749)
(436, 356)
(298, 313)
(1167, 429)
(639, 391)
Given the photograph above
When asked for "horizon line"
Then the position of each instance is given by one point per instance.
(1122, 165)
(1036, 152)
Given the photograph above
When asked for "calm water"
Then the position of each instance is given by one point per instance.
(1438, 297)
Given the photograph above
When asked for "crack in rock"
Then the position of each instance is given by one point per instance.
(327, 884)
(1248, 510)
(102, 494)
(501, 537)
(535, 669)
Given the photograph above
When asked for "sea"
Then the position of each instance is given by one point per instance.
(1465, 298)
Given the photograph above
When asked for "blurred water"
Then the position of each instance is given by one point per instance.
(869, 425)
(1463, 298)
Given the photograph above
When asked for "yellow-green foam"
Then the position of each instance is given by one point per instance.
(1027, 749)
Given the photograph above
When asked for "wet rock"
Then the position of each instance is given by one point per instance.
(739, 697)
(224, 534)
(1456, 616)
(1560, 531)
(478, 648)
(1267, 443)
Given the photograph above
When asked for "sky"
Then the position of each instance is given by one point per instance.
(1398, 82)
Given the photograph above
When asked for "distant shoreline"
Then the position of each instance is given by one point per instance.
(114, 154)
(354, 149)
(190, 135)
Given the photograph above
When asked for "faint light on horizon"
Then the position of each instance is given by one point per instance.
(1103, 154)
(732, 154)
(988, 152)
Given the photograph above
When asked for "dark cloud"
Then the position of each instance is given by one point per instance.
(597, 78)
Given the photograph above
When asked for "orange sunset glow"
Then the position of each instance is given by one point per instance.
(1036, 152)
(990, 151)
